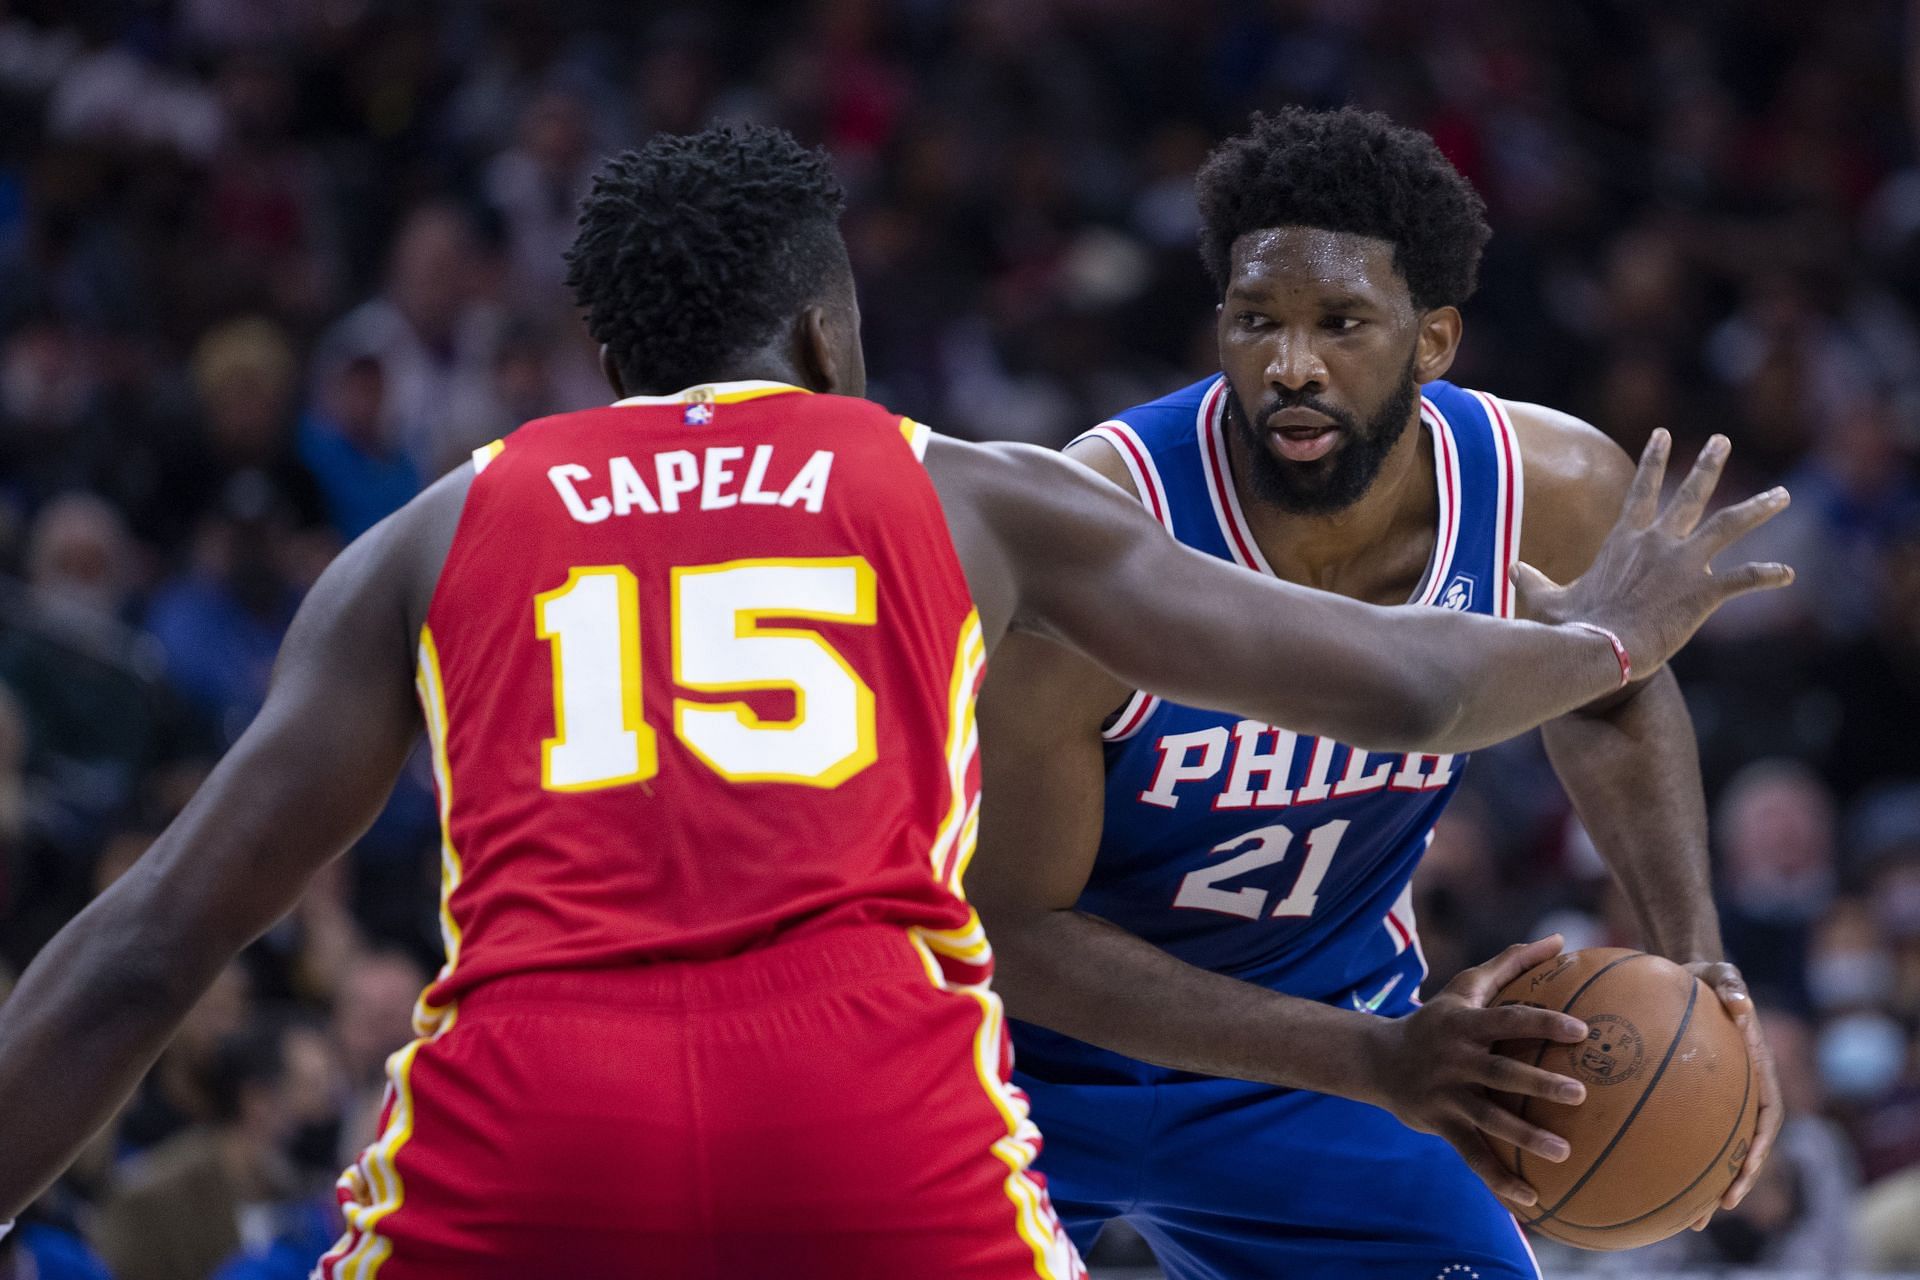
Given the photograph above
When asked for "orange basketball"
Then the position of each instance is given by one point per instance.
(1670, 1108)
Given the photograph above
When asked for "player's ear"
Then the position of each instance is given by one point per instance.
(817, 360)
(1439, 339)
(611, 372)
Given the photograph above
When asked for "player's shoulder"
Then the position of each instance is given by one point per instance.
(1124, 447)
(1576, 477)
(1170, 418)
(1568, 458)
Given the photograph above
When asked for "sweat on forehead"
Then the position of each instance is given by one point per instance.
(1297, 257)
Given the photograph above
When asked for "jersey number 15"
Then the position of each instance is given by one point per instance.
(720, 645)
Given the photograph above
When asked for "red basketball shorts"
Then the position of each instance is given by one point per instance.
(823, 1108)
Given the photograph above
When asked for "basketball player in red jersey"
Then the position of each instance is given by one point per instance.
(698, 674)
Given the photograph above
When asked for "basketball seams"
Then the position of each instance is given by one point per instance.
(1519, 1152)
(1686, 1019)
(1739, 1123)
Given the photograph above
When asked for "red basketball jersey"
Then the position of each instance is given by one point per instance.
(699, 674)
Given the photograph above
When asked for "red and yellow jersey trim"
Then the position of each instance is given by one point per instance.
(372, 1189)
(916, 434)
(486, 453)
(961, 961)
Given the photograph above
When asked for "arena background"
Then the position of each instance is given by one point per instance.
(267, 265)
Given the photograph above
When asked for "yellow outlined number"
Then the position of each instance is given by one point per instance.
(720, 645)
(600, 735)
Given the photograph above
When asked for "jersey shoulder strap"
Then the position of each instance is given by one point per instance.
(1477, 469)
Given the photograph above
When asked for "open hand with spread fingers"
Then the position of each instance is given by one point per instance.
(1652, 585)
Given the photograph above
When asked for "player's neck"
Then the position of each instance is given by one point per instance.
(760, 369)
(1360, 550)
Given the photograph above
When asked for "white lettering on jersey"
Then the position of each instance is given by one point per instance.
(751, 493)
(629, 490)
(676, 472)
(1355, 783)
(1316, 788)
(563, 478)
(717, 474)
(1201, 755)
(1176, 767)
(679, 472)
(810, 486)
(1200, 890)
(1249, 759)
(1424, 773)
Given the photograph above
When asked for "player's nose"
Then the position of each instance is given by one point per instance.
(1293, 364)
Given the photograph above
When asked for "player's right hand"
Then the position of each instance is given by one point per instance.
(1438, 1067)
(1651, 583)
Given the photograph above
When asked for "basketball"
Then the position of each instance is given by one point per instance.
(1670, 1108)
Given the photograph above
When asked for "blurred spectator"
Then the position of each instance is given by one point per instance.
(372, 1019)
(1775, 833)
(88, 680)
(246, 377)
(221, 1187)
(175, 1093)
(1874, 679)
(221, 622)
(537, 185)
(1799, 1216)
(362, 473)
(1849, 965)
(435, 331)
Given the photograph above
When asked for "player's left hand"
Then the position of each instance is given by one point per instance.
(1726, 982)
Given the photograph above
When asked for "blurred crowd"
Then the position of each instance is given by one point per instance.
(267, 266)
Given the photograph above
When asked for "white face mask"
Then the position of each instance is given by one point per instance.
(1861, 1056)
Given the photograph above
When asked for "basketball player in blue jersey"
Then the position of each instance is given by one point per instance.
(1205, 922)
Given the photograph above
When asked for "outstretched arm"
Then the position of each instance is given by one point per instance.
(306, 779)
(1051, 549)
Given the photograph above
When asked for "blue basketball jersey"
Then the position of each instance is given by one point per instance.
(1249, 849)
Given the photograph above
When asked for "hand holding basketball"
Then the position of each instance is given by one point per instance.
(1726, 983)
(1439, 1063)
(1672, 1114)
(1652, 584)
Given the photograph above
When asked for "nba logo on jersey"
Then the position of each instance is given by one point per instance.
(700, 406)
(1459, 593)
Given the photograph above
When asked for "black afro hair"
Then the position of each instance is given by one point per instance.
(693, 250)
(1349, 171)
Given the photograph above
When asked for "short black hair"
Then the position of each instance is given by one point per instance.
(694, 249)
(1350, 171)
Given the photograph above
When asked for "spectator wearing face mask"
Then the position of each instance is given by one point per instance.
(1864, 1061)
(1850, 966)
